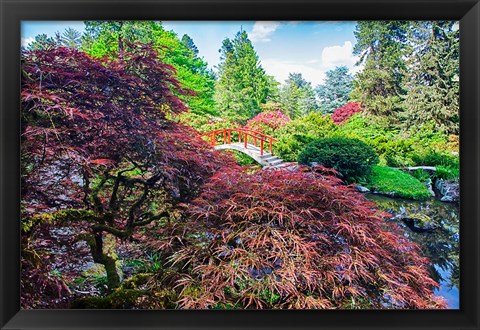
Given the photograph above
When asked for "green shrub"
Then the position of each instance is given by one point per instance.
(436, 158)
(352, 158)
(296, 134)
(447, 172)
(420, 175)
(204, 123)
(400, 184)
(241, 158)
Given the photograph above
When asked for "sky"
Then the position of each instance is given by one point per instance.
(310, 48)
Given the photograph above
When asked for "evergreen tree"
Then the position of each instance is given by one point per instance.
(70, 38)
(42, 42)
(188, 42)
(242, 85)
(381, 46)
(334, 93)
(297, 96)
(433, 76)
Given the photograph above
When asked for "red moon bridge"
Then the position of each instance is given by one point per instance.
(252, 143)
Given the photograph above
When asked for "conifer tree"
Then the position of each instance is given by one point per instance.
(433, 76)
(381, 46)
(297, 96)
(242, 84)
(335, 92)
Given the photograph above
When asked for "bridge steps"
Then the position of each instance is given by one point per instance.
(267, 160)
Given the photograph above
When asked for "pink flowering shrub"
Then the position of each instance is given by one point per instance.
(267, 122)
(343, 113)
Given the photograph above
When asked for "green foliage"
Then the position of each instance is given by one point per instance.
(336, 89)
(381, 47)
(297, 96)
(70, 38)
(242, 84)
(204, 123)
(397, 183)
(447, 172)
(352, 158)
(241, 158)
(420, 175)
(434, 158)
(42, 42)
(433, 76)
(295, 135)
(112, 38)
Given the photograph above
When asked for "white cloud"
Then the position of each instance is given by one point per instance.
(27, 41)
(339, 55)
(280, 70)
(262, 30)
(314, 69)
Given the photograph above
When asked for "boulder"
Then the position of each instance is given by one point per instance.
(419, 222)
(450, 190)
(361, 189)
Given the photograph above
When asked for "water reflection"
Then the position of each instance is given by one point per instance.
(439, 241)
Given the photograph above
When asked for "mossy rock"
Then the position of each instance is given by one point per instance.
(420, 222)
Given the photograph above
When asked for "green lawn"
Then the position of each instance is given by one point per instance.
(389, 180)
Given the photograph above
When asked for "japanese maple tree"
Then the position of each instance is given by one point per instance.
(268, 122)
(98, 148)
(340, 115)
(294, 238)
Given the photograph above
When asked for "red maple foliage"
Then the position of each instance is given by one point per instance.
(267, 122)
(292, 239)
(98, 147)
(340, 115)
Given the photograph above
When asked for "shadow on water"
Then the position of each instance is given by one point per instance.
(433, 225)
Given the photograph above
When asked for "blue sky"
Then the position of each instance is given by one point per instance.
(311, 48)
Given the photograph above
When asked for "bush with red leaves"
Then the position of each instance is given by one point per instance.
(342, 114)
(294, 239)
(267, 122)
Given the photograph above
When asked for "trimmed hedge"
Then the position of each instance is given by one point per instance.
(352, 158)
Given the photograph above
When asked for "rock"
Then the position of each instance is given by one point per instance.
(420, 222)
(428, 184)
(361, 189)
(450, 190)
(387, 193)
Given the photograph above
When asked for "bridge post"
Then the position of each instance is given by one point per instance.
(245, 140)
(271, 142)
(212, 139)
(229, 136)
(224, 137)
(261, 147)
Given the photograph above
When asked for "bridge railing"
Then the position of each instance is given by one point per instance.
(229, 135)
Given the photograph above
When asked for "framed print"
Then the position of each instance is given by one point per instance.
(197, 164)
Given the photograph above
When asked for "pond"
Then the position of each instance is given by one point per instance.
(439, 240)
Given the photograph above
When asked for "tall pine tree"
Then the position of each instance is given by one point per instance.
(297, 96)
(242, 84)
(381, 46)
(433, 76)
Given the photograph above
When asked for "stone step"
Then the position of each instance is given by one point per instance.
(266, 155)
(276, 162)
(270, 159)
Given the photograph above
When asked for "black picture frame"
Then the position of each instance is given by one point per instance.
(14, 11)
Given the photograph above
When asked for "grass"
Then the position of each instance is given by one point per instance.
(401, 184)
